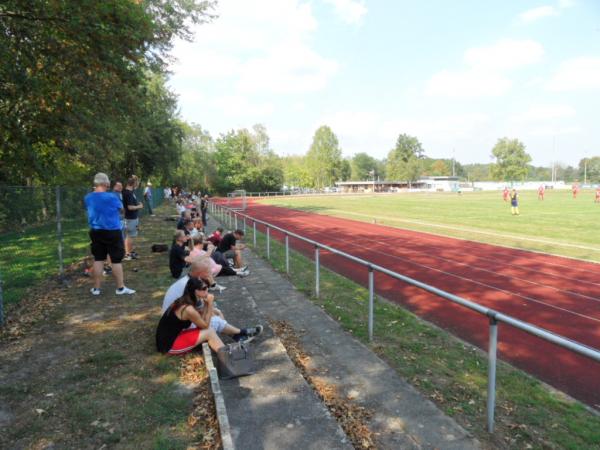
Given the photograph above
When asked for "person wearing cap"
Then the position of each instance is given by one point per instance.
(103, 209)
(148, 197)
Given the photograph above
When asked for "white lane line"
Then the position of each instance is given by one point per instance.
(576, 280)
(480, 283)
(451, 261)
(489, 286)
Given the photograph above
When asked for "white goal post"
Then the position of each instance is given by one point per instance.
(236, 200)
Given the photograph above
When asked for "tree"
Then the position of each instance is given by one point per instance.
(296, 172)
(362, 165)
(324, 158)
(404, 160)
(196, 168)
(243, 162)
(77, 79)
(590, 168)
(511, 160)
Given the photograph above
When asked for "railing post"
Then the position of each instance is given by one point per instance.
(244, 223)
(61, 268)
(317, 270)
(287, 254)
(491, 398)
(268, 242)
(236, 222)
(254, 232)
(371, 301)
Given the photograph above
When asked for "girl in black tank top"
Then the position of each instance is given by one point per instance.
(171, 323)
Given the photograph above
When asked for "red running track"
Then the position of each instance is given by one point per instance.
(558, 294)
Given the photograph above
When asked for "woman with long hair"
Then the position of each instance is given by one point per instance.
(192, 319)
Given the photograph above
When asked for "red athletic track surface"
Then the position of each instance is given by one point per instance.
(558, 294)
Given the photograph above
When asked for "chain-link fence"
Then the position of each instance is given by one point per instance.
(43, 230)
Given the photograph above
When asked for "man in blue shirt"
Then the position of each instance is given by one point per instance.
(103, 209)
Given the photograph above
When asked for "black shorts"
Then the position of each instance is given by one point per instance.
(107, 242)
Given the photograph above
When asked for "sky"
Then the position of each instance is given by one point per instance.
(458, 75)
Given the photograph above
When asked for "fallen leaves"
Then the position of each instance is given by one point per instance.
(351, 417)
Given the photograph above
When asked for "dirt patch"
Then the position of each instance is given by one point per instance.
(351, 417)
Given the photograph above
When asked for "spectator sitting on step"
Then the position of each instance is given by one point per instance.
(216, 236)
(218, 270)
(198, 228)
(188, 227)
(231, 249)
(179, 254)
(174, 334)
(200, 270)
(185, 215)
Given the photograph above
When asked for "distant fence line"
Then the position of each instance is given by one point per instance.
(43, 229)
(232, 217)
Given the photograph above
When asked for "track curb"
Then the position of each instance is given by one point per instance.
(224, 428)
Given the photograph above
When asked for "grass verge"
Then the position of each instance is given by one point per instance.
(78, 371)
(448, 371)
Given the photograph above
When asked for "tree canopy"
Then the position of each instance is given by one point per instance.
(511, 160)
(82, 87)
(324, 158)
(404, 160)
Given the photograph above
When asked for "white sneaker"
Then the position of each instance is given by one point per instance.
(217, 287)
(124, 290)
(243, 273)
(95, 291)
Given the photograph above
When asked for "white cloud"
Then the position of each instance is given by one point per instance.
(531, 15)
(486, 73)
(566, 3)
(576, 74)
(468, 84)
(504, 55)
(545, 113)
(537, 13)
(350, 11)
(238, 105)
(555, 131)
(256, 46)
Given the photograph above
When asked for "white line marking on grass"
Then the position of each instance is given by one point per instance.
(471, 230)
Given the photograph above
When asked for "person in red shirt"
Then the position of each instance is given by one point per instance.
(575, 189)
(505, 194)
(216, 237)
(541, 191)
(597, 199)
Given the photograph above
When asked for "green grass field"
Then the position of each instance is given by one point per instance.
(559, 225)
(29, 257)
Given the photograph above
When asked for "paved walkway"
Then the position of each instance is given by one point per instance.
(277, 409)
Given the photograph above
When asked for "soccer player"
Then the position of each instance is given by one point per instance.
(575, 189)
(505, 194)
(514, 203)
(541, 191)
(597, 199)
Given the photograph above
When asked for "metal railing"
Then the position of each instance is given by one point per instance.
(494, 317)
